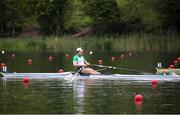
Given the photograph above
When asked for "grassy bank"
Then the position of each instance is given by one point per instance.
(134, 42)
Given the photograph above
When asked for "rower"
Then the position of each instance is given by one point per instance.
(79, 62)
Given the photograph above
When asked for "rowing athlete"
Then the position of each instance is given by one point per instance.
(79, 62)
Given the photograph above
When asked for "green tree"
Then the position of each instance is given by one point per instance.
(169, 14)
(50, 14)
(138, 15)
(18, 12)
(104, 13)
(2, 16)
(74, 17)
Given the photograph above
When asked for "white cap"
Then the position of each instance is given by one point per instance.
(79, 49)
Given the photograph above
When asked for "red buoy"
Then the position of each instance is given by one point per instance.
(175, 62)
(154, 82)
(50, 58)
(13, 55)
(2, 65)
(171, 66)
(29, 61)
(60, 71)
(122, 56)
(164, 71)
(100, 62)
(25, 80)
(130, 54)
(113, 58)
(67, 56)
(178, 59)
(138, 98)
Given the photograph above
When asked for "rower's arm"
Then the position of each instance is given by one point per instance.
(87, 63)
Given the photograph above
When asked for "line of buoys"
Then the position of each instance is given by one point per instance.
(100, 61)
(67, 56)
(29, 61)
(138, 98)
(13, 55)
(171, 66)
(130, 54)
(2, 65)
(154, 82)
(50, 58)
(178, 59)
(26, 80)
(175, 62)
(122, 56)
(60, 71)
(113, 58)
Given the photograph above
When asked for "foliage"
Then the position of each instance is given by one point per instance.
(105, 14)
(59, 17)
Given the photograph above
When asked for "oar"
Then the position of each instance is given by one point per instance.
(101, 69)
(126, 69)
(73, 76)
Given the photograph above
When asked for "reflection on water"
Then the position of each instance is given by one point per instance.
(88, 96)
(79, 95)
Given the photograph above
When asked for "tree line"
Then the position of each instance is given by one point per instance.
(59, 17)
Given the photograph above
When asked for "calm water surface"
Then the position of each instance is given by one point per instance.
(87, 96)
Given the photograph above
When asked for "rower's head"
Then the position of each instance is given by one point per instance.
(79, 51)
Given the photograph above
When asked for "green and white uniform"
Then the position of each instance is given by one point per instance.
(79, 59)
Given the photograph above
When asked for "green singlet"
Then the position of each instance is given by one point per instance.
(79, 59)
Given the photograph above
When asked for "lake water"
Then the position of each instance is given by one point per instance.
(87, 96)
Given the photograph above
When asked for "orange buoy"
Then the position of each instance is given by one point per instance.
(122, 56)
(67, 56)
(154, 82)
(113, 58)
(25, 80)
(50, 58)
(60, 71)
(138, 98)
(100, 61)
(171, 66)
(29, 61)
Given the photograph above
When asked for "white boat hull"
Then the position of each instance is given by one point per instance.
(65, 75)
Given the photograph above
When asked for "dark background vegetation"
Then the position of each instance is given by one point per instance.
(69, 17)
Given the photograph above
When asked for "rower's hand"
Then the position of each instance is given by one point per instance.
(88, 64)
(83, 65)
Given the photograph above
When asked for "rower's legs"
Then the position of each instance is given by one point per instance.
(89, 71)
